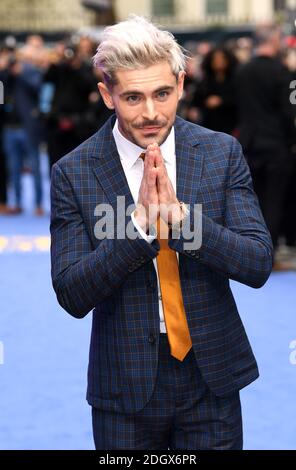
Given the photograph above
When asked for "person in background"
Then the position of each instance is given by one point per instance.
(70, 119)
(266, 125)
(288, 223)
(243, 49)
(185, 109)
(3, 173)
(215, 95)
(21, 133)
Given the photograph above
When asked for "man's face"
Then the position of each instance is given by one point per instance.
(145, 101)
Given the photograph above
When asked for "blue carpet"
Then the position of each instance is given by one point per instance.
(43, 375)
(269, 403)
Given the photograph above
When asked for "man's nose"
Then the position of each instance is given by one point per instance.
(150, 112)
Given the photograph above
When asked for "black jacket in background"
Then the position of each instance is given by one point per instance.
(265, 111)
(224, 117)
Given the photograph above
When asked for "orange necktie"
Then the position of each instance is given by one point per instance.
(172, 300)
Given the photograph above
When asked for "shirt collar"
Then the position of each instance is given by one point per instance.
(130, 152)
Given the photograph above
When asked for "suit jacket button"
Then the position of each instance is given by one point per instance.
(151, 338)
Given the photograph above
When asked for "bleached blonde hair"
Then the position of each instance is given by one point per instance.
(136, 43)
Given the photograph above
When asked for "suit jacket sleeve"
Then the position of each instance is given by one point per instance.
(83, 276)
(241, 248)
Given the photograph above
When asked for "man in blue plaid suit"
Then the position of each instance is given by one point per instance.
(143, 397)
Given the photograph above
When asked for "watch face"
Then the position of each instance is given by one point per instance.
(184, 208)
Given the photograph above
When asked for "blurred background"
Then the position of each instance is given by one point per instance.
(241, 80)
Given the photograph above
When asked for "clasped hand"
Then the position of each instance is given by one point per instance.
(157, 196)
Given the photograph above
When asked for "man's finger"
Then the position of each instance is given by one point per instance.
(162, 175)
(149, 159)
(159, 158)
(151, 178)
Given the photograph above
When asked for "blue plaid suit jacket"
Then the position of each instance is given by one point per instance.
(116, 277)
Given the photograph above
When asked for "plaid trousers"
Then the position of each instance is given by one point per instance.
(182, 413)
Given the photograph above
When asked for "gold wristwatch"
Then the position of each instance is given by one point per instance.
(185, 211)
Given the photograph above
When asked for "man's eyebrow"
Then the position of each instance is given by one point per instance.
(137, 92)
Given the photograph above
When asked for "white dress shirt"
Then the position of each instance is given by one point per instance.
(133, 167)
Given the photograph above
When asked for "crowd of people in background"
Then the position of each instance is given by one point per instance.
(242, 87)
(50, 97)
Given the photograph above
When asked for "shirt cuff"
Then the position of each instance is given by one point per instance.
(147, 237)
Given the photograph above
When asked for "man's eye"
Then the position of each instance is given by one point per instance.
(132, 99)
(162, 94)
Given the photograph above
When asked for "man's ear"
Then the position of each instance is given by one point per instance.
(106, 95)
(181, 78)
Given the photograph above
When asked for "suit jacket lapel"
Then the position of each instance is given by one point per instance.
(107, 166)
(189, 163)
